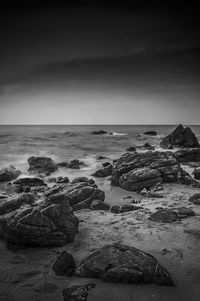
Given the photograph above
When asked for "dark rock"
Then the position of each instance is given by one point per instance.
(104, 164)
(27, 189)
(195, 199)
(77, 292)
(53, 190)
(104, 171)
(41, 165)
(171, 215)
(101, 132)
(124, 208)
(31, 182)
(63, 164)
(180, 137)
(64, 264)
(151, 133)
(196, 173)
(100, 157)
(146, 146)
(83, 179)
(119, 263)
(9, 173)
(131, 149)
(99, 205)
(61, 180)
(188, 155)
(75, 164)
(16, 202)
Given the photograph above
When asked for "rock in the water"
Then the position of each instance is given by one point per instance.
(46, 287)
(100, 132)
(146, 146)
(196, 173)
(195, 199)
(77, 292)
(131, 149)
(75, 164)
(16, 202)
(9, 173)
(171, 215)
(99, 205)
(135, 171)
(151, 133)
(64, 264)
(83, 179)
(124, 208)
(120, 263)
(31, 182)
(188, 155)
(41, 165)
(105, 171)
(50, 223)
(180, 137)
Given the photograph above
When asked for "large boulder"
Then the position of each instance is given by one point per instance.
(41, 165)
(14, 203)
(120, 263)
(105, 171)
(188, 155)
(135, 171)
(9, 173)
(50, 223)
(180, 137)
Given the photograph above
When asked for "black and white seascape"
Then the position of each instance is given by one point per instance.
(99, 151)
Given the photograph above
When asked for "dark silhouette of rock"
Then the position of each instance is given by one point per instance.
(100, 132)
(171, 215)
(14, 203)
(75, 164)
(120, 263)
(180, 137)
(196, 173)
(195, 199)
(9, 173)
(146, 146)
(31, 182)
(124, 208)
(83, 179)
(151, 133)
(41, 165)
(105, 171)
(100, 157)
(99, 205)
(50, 223)
(188, 155)
(77, 292)
(135, 171)
(64, 264)
(62, 164)
(131, 149)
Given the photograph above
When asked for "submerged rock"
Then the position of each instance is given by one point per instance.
(9, 173)
(64, 264)
(41, 165)
(77, 292)
(180, 137)
(151, 133)
(188, 155)
(14, 203)
(120, 263)
(105, 171)
(124, 208)
(171, 215)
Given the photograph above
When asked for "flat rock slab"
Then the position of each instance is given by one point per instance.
(120, 263)
(171, 215)
(124, 208)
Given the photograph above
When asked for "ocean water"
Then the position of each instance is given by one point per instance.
(66, 142)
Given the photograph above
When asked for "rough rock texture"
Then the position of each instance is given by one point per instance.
(64, 264)
(124, 208)
(77, 292)
(171, 215)
(196, 173)
(41, 165)
(180, 137)
(51, 223)
(142, 170)
(195, 199)
(32, 182)
(105, 171)
(16, 202)
(120, 263)
(131, 149)
(151, 133)
(146, 146)
(188, 155)
(99, 205)
(9, 173)
(83, 179)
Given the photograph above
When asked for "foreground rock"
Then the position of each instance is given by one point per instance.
(41, 165)
(105, 171)
(77, 292)
(188, 155)
(136, 171)
(195, 199)
(48, 224)
(120, 263)
(9, 173)
(151, 133)
(180, 137)
(31, 182)
(64, 264)
(171, 215)
(16, 202)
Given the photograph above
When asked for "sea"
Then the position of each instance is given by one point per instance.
(68, 142)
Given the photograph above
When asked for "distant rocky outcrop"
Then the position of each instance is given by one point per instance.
(9, 173)
(135, 171)
(100, 132)
(180, 137)
(105, 171)
(41, 165)
(151, 133)
(120, 263)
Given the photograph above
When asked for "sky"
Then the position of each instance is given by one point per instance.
(87, 62)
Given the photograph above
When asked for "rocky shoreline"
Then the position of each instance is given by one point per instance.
(134, 221)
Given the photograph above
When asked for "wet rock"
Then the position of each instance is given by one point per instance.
(147, 193)
(171, 215)
(131, 149)
(55, 189)
(195, 199)
(151, 133)
(99, 205)
(124, 208)
(105, 171)
(196, 173)
(41, 165)
(62, 164)
(146, 146)
(14, 203)
(77, 292)
(31, 182)
(64, 264)
(100, 132)
(83, 179)
(180, 137)
(120, 263)
(188, 155)
(9, 173)
(61, 180)
(75, 164)
(100, 157)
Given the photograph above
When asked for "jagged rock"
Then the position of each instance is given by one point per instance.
(105, 171)
(171, 215)
(77, 292)
(135, 171)
(100, 132)
(99, 205)
(196, 173)
(180, 137)
(9, 173)
(131, 149)
(151, 133)
(124, 208)
(120, 263)
(188, 155)
(50, 223)
(16, 202)
(41, 165)
(64, 264)
(31, 182)
(195, 199)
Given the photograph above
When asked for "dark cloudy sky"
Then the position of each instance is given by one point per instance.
(93, 63)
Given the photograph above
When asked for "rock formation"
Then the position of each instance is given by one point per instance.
(41, 165)
(9, 173)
